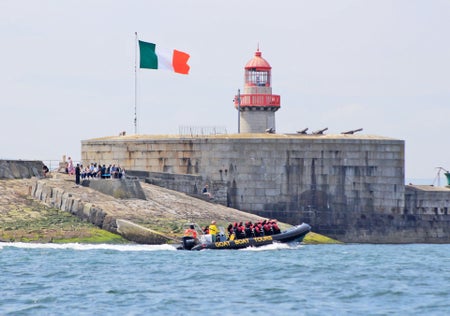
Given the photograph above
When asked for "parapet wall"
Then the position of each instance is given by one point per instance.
(20, 169)
(189, 184)
(119, 189)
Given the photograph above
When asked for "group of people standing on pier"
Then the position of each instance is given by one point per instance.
(102, 171)
(94, 171)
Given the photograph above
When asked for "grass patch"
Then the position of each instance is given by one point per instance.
(97, 236)
(35, 222)
(314, 238)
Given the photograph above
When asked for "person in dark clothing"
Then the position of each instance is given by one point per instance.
(260, 230)
(256, 231)
(267, 229)
(205, 191)
(77, 173)
(230, 230)
(45, 170)
(240, 234)
(103, 172)
(276, 229)
(248, 230)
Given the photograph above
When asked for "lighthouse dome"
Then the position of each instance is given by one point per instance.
(258, 62)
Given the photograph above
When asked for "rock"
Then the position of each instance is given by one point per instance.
(139, 234)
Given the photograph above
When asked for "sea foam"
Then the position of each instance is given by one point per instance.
(81, 247)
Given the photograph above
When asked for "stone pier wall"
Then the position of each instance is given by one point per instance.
(327, 180)
(427, 200)
(20, 169)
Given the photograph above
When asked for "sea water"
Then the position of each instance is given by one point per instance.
(74, 279)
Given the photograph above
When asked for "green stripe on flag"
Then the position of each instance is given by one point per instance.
(148, 57)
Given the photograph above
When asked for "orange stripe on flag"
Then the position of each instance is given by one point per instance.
(179, 62)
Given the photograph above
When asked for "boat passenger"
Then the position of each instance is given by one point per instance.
(248, 231)
(230, 230)
(235, 227)
(191, 232)
(276, 229)
(256, 231)
(240, 234)
(213, 230)
(267, 229)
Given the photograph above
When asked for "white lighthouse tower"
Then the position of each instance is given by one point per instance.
(257, 105)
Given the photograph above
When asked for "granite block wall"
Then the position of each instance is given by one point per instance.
(326, 180)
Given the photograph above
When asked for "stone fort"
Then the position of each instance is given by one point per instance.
(349, 186)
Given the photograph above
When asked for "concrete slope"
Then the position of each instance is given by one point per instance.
(164, 211)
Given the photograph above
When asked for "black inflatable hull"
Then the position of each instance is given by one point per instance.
(294, 234)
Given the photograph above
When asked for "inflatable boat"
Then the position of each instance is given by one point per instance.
(294, 234)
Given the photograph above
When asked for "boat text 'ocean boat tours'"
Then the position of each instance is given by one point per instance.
(199, 240)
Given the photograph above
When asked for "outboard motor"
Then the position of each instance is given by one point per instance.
(188, 242)
(221, 237)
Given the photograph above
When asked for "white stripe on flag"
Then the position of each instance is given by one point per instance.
(164, 58)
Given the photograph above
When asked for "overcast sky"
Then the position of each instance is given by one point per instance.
(67, 70)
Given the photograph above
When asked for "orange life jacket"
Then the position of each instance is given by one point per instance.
(190, 232)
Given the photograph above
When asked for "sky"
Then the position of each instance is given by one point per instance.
(67, 70)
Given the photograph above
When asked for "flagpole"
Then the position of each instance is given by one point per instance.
(135, 83)
(239, 111)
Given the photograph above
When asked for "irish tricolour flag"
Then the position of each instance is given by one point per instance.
(153, 57)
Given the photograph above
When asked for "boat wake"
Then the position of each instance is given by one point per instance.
(134, 247)
(82, 247)
(274, 246)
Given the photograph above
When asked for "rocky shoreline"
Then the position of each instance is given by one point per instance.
(54, 209)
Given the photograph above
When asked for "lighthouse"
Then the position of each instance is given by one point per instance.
(257, 105)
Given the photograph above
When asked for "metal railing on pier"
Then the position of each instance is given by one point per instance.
(197, 131)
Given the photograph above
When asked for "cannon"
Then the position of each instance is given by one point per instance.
(320, 131)
(352, 131)
(303, 131)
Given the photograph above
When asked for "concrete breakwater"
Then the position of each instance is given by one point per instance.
(157, 219)
(348, 187)
(38, 208)
(108, 215)
(319, 179)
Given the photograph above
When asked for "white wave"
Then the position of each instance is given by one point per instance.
(77, 246)
(274, 246)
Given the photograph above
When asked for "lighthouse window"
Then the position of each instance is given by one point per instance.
(258, 78)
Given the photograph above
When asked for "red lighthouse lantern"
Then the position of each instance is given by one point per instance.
(257, 105)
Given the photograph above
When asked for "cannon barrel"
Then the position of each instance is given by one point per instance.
(320, 131)
(352, 131)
